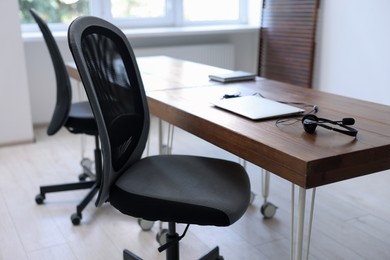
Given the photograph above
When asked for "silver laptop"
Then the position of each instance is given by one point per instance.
(257, 108)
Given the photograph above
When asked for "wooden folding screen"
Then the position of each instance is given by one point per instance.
(287, 41)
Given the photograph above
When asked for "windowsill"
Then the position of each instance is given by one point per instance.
(160, 32)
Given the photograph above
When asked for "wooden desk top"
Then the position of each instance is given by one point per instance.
(179, 93)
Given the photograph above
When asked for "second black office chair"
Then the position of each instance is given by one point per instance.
(76, 117)
(170, 188)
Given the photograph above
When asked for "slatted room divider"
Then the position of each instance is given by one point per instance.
(287, 41)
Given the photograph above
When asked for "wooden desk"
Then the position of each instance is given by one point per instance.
(178, 92)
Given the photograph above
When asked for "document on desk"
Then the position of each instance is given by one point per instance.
(257, 108)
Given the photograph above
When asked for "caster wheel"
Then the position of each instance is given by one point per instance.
(252, 198)
(161, 236)
(268, 210)
(83, 176)
(87, 163)
(39, 199)
(75, 218)
(146, 225)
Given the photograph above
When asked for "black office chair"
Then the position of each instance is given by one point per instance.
(170, 188)
(77, 118)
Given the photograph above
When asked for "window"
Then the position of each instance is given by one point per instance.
(196, 11)
(53, 11)
(138, 9)
(137, 13)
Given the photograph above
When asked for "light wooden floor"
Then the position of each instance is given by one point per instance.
(352, 218)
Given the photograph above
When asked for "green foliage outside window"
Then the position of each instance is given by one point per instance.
(53, 11)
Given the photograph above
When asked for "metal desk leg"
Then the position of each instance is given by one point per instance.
(292, 221)
(165, 148)
(160, 137)
(265, 185)
(301, 224)
(313, 196)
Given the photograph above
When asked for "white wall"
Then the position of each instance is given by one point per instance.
(15, 116)
(353, 49)
(42, 79)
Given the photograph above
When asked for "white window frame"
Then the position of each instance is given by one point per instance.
(168, 20)
(174, 17)
(242, 16)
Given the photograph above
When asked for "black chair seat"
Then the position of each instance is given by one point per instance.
(80, 119)
(173, 188)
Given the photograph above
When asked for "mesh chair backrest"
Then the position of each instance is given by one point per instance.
(110, 75)
(64, 90)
